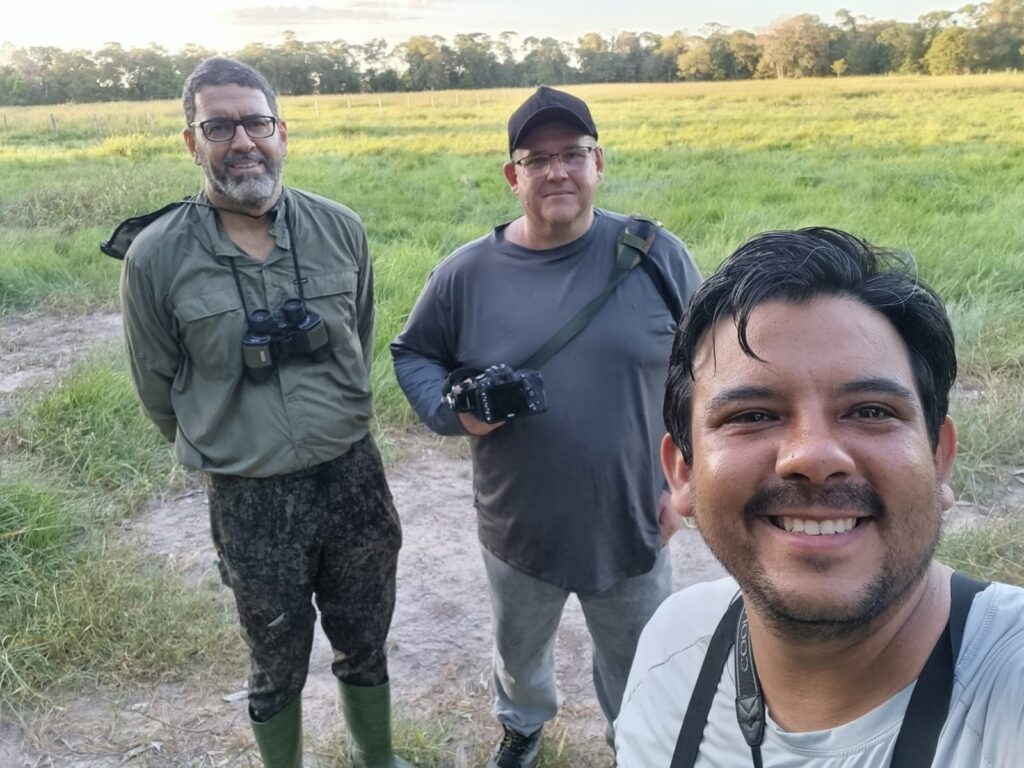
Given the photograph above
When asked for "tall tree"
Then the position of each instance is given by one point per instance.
(798, 46)
(949, 53)
(475, 62)
(429, 62)
(378, 74)
(597, 62)
(546, 62)
(509, 73)
(334, 67)
(148, 75)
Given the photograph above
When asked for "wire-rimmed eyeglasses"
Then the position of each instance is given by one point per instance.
(571, 159)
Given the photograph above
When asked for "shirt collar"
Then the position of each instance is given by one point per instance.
(212, 235)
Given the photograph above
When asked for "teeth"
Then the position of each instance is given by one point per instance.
(816, 528)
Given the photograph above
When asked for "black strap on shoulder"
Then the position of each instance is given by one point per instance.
(690, 735)
(640, 233)
(926, 713)
(631, 250)
(125, 233)
(963, 589)
(929, 703)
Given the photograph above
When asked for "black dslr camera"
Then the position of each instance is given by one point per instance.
(499, 394)
(273, 338)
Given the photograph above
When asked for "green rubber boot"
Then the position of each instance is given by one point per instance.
(367, 711)
(280, 737)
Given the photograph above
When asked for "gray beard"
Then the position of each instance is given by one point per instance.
(247, 192)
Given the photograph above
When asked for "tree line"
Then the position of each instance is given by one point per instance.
(975, 38)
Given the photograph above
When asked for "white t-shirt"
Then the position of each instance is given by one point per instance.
(985, 727)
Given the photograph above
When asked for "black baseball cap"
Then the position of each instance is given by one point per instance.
(547, 105)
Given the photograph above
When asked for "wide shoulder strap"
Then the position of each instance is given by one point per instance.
(696, 718)
(639, 233)
(929, 703)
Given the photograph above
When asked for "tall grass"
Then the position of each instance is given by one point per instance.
(73, 605)
(928, 165)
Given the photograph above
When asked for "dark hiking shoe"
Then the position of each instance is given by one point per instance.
(516, 750)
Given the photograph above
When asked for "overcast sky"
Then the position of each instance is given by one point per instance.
(226, 25)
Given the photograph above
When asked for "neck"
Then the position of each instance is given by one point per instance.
(811, 686)
(233, 211)
(541, 236)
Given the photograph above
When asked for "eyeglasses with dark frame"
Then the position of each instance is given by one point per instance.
(223, 128)
(572, 159)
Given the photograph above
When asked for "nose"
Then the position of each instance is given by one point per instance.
(556, 168)
(813, 451)
(241, 141)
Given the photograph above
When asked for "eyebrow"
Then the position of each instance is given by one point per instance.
(879, 385)
(738, 395)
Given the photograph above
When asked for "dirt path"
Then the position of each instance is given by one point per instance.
(439, 654)
(35, 348)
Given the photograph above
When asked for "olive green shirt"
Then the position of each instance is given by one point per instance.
(184, 321)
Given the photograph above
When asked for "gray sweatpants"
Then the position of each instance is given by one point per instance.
(527, 612)
(330, 531)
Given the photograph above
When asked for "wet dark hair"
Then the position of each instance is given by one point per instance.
(797, 267)
(220, 70)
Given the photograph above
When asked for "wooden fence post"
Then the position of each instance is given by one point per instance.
(53, 124)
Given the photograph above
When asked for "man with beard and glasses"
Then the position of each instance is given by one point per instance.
(806, 406)
(248, 313)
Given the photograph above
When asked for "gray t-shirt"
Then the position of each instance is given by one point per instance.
(567, 496)
(983, 729)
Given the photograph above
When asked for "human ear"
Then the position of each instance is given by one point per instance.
(190, 141)
(945, 457)
(677, 474)
(509, 171)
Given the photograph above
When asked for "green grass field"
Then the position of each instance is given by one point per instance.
(929, 165)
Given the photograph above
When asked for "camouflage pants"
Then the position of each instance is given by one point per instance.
(330, 531)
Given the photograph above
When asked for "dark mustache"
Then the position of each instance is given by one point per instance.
(767, 502)
(255, 155)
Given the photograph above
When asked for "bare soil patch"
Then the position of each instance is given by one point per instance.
(439, 646)
(36, 347)
(440, 643)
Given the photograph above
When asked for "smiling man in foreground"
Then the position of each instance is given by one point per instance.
(807, 409)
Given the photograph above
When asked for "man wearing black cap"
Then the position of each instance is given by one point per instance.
(568, 500)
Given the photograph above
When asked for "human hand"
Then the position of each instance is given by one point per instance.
(474, 426)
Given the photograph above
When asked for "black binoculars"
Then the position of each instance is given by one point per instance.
(273, 338)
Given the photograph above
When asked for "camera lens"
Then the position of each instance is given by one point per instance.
(294, 311)
(261, 322)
